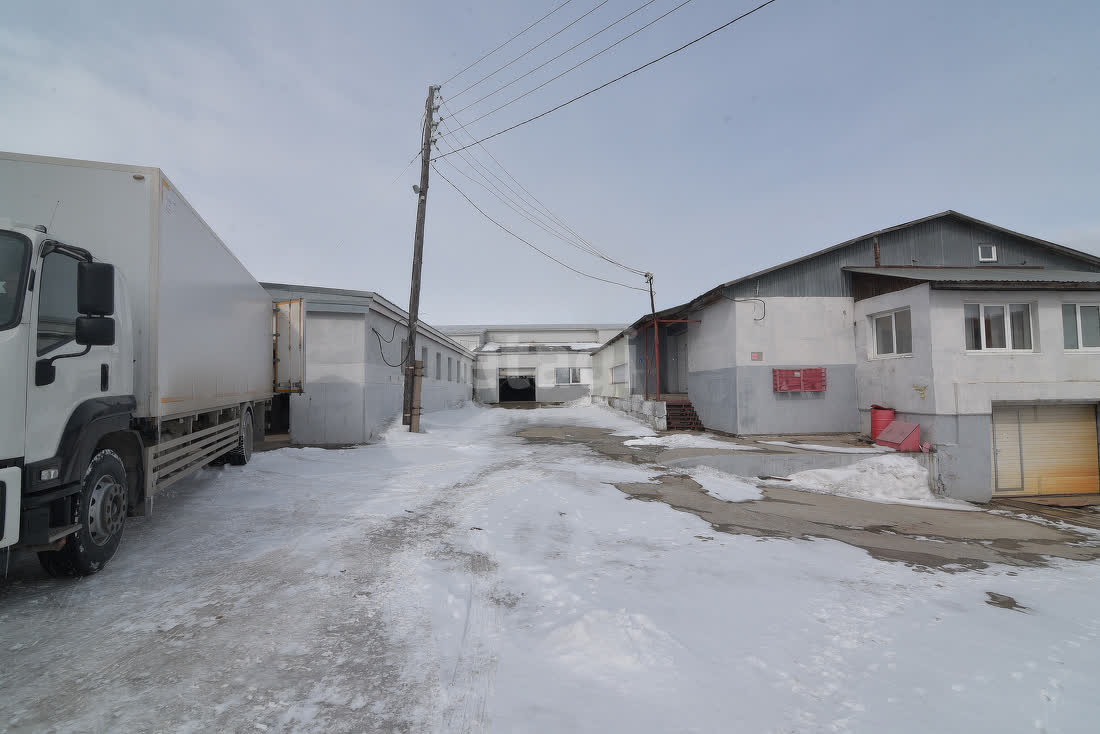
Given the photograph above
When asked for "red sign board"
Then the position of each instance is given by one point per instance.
(806, 379)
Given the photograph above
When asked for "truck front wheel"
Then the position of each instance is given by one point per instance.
(100, 510)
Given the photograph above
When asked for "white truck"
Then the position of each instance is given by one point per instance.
(134, 349)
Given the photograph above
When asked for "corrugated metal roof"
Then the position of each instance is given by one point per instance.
(983, 275)
(713, 293)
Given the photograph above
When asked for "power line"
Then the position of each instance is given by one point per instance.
(540, 43)
(555, 228)
(533, 247)
(499, 195)
(550, 61)
(507, 42)
(613, 81)
(588, 246)
(578, 65)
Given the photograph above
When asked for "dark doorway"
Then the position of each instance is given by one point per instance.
(278, 417)
(517, 389)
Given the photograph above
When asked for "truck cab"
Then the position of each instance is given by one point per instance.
(67, 359)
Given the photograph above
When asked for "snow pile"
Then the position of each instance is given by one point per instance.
(688, 441)
(725, 486)
(833, 449)
(610, 647)
(890, 479)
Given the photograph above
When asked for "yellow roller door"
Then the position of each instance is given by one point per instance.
(1057, 449)
(1008, 468)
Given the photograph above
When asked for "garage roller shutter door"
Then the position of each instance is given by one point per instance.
(1045, 449)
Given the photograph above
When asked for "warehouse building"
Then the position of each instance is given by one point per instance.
(987, 338)
(355, 342)
(546, 363)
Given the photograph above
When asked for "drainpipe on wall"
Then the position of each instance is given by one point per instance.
(878, 254)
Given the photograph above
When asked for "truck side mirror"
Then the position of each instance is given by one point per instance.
(95, 291)
(95, 331)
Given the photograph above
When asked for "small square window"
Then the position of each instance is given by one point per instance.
(893, 333)
(987, 253)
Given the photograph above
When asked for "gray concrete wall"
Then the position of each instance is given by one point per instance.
(713, 393)
(560, 393)
(760, 410)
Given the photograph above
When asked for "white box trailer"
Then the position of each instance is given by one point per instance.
(182, 349)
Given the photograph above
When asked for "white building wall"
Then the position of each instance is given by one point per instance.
(606, 358)
(354, 382)
(794, 331)
(540, 364)
(967, 383)
(905, 382)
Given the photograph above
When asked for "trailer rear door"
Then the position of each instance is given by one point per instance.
(289, 349)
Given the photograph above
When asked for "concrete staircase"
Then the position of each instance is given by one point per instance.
(681, 416)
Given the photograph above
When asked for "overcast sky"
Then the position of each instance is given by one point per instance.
(286, 124)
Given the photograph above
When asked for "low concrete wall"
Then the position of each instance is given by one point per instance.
(651, 412)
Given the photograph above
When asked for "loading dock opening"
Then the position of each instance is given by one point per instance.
(517, 388)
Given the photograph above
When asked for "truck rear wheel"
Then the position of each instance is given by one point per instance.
(100, 508)
(243, 453)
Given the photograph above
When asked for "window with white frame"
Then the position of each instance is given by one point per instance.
(987, 253)
(438, 366)
(450, 361)
(997, 326)
(1081, 325)
(567, 375)
(618, 374)
(893, 333)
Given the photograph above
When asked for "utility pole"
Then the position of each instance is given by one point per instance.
(408, 360)
(656, 346)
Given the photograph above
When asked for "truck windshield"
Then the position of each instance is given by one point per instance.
(14, 257)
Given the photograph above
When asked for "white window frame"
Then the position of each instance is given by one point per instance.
(893, 334)
(1081, 349)
(573, 371)
(626, 374)
(1008, 348)
(992, 258)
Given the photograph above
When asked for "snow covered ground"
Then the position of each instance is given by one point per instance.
(688, 441)
(468, 580)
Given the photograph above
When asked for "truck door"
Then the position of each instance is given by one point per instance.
(289, 347)
(77, 378)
